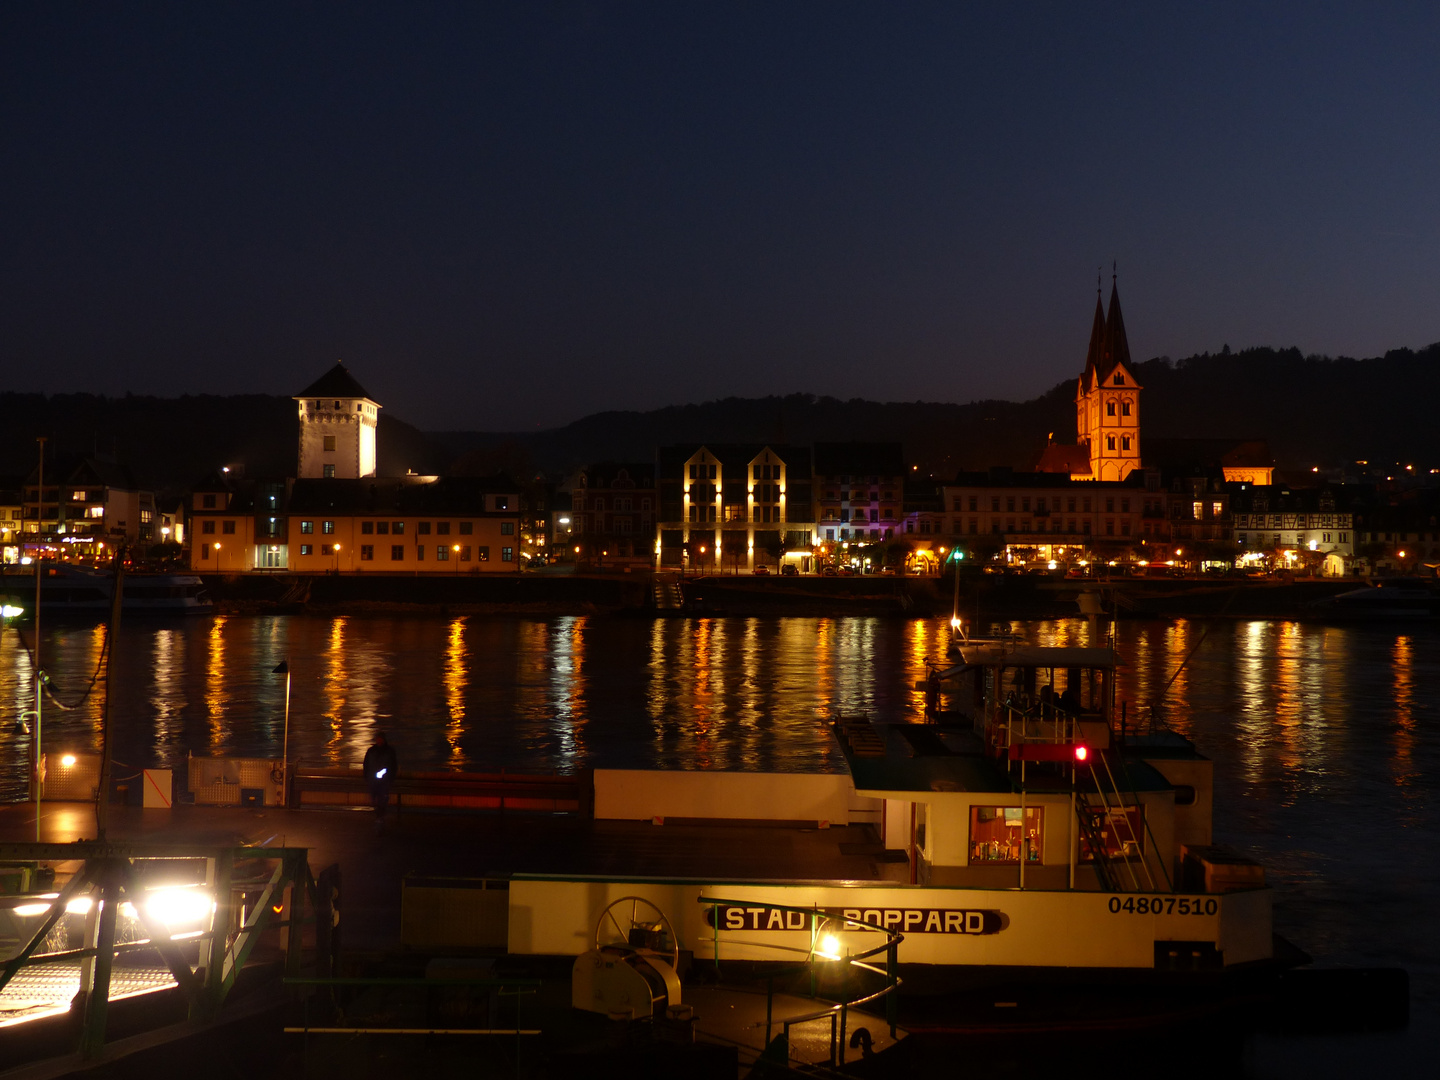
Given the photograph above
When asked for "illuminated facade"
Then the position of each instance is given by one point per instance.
(338, 420)
(734, 506)
(1107, 406)
(859, 491)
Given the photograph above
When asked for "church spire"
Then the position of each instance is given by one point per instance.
(1095, 355)
(1116, 348)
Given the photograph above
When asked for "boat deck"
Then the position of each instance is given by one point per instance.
(475, 845)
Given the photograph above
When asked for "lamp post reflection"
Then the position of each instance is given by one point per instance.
(283, 668)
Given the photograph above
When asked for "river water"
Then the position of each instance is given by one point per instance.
(1327, 756)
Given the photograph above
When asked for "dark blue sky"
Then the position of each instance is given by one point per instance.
(510, 215)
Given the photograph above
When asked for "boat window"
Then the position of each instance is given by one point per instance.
(1184, 795)
(995, 834)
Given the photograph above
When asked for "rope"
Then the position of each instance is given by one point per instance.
(45, 679)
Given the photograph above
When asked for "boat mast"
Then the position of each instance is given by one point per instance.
(37, 780)
(112, 640)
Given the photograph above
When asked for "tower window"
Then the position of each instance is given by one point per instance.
(1119, 379)
(329, 443)
(1109, 445)
(1109, 408)
(1124, 408)
(1125, 442)
(330, 470)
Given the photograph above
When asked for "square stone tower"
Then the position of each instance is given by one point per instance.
(337, 428)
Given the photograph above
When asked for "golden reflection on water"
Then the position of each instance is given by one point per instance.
(216, 686)
(167, 695)
(336, 682)
(925, 639)
(567, 680)
(1402, 660)
(455, 680)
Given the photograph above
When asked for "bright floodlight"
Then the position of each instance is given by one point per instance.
(829, 947)
(9, 611)
(68, 760)
(179, 907)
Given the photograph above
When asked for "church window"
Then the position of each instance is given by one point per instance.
(1125, 408)
(329, 443)
(1125, 442)
(1109, 408)
(1119, 379)
(1110, 442)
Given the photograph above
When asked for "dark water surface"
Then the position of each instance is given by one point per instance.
(1327, 758)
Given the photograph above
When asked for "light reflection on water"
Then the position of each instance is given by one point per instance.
(1323, 737)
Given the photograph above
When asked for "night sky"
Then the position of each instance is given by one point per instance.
(510, 215)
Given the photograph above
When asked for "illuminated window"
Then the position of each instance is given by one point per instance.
(482, 553)
(329, 472)
(996, 834)
(306, 549)
(507, 554)
(327, 527)
(442, 553)
(397, 528)
(307, 526)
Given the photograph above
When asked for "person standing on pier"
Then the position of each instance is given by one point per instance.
(380, 768)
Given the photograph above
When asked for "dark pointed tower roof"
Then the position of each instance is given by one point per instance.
(1117, 346)
(335, 383)
(1095, 354)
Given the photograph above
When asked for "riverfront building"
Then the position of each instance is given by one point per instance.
(734, 505)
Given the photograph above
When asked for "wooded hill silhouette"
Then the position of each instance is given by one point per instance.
(1311, 409)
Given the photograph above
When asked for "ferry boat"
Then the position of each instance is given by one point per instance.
(1032, 830)
(1387, 598)
(65, 587)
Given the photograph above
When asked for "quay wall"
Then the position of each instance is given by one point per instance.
(995, 597)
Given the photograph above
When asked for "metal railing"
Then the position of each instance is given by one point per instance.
(821, 951)
(220, 918)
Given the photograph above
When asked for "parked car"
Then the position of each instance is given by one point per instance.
(829, 571)
(790, 570)
(761, 571)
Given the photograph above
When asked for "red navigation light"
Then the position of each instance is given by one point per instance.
(1081, 753)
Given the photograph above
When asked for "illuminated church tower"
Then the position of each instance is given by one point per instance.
(337, 428)
(1107, 400)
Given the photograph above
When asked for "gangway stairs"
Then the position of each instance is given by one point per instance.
(668, 594)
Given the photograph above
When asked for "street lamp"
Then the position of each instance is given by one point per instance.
(335, 550)
(455, 548)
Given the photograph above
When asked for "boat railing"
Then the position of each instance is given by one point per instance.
(831, 932)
